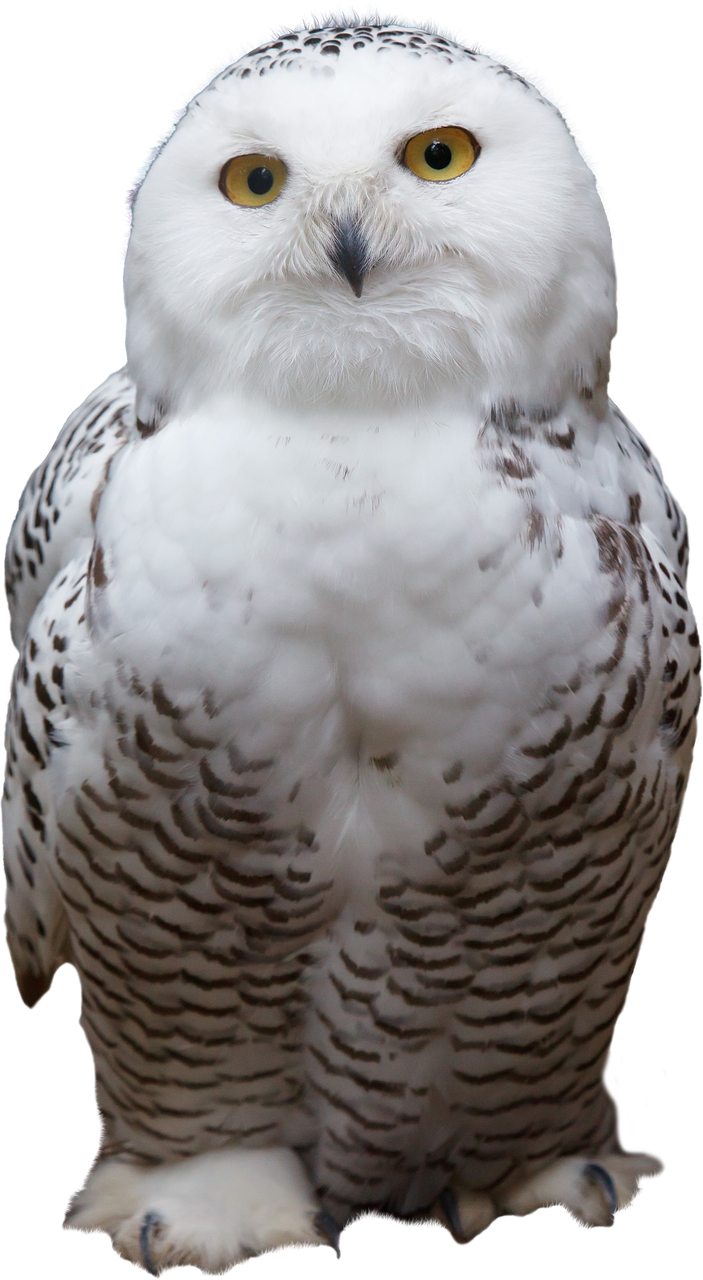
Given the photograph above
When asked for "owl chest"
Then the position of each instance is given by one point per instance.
(295, 576)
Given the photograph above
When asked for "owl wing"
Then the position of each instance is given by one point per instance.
(55, 516)
(663, 513)
(45, 569)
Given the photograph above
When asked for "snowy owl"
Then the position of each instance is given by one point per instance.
(357, 678)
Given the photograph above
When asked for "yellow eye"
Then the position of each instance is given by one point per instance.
(252, 180)
(441, 154)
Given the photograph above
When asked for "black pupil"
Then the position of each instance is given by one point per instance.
(438, 155)
(260, 181)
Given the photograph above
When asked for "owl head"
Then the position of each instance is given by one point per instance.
(373, 216)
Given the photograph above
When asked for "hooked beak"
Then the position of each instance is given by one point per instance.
(350, 254)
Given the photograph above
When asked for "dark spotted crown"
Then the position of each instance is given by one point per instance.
(298, 47)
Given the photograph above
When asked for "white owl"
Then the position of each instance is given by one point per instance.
(357, 677)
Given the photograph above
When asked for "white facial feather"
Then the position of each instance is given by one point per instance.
(497, 285)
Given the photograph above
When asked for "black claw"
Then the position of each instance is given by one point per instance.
(450, 1208)
(149, 1225)
(327, 1227)
(596, 1173)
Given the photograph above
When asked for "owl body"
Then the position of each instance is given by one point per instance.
(353, 732)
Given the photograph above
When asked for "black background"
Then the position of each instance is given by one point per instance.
(85, 101)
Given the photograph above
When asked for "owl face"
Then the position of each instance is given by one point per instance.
(372, 216)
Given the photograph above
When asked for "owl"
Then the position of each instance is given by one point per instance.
(357, 678)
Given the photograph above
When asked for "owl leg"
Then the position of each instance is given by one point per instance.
(208, 1211)
(592, 1189)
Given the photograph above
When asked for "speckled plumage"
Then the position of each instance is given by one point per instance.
(350, 727)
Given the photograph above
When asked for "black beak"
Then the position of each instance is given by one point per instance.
(350, 254)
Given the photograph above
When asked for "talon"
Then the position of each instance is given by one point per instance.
(325, 1224)
(595, 1173)
(450, 1208)
(149, 1225)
